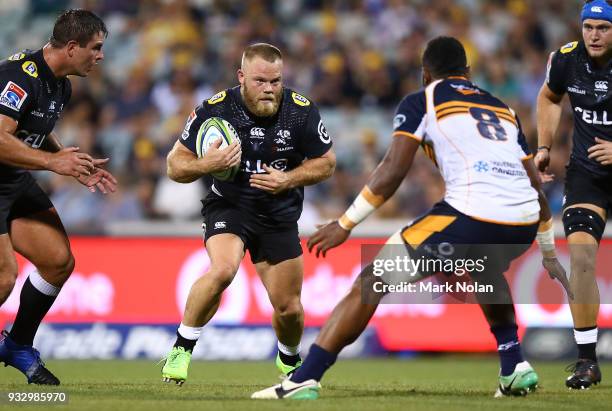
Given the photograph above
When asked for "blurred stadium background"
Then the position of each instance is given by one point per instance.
(139, 249)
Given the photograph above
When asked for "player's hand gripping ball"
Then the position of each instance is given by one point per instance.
(210, 131)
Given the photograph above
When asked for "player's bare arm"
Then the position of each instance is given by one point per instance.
(382, 184)
(183, 166)
(548, 116)
(311, 171)
(546, 234)
(68, 161)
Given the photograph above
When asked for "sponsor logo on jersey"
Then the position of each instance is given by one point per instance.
(38, 114)
(279, 164)
(30, 68)
(13, 96)
(185, 133)
(325, 138)
(576, 90)
(16, 57)
(52, 105)
(481, 167)
(299, 99)
(34, 140)
(220, 225)
(594, 117)
(217, 98)
(465, 90)
(256, 166)
(398, 120)
(507, 168)
(601, 86)
(569, 47)
(258, 133)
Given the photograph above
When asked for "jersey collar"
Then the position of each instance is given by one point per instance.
(43, 67)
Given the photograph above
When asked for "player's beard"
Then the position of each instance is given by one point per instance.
(604, 53)
(258, 107)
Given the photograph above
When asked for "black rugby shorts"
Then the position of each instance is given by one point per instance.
(266, 241)
(583, 187)
(20, 197)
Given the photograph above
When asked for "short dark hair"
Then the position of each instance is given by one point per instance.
(445, 56)
(78, 25)
(266, 51)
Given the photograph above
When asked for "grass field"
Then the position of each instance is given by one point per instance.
(425, 383)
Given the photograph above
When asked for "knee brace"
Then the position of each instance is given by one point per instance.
(582, 219)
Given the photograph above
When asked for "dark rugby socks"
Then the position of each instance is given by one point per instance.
(37, 297)
(508, 347)
(291, 360)
(289, 355)
(316, 363)
(586, 339)
(187, 337)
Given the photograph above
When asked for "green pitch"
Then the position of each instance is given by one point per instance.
(428, 383)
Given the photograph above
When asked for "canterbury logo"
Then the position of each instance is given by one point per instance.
(257, 132)
(601, 85)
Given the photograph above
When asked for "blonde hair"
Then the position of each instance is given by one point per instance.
(266, 51)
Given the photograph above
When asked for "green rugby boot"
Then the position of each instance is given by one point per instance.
(284, 368)
(176, 366)
(521, 382)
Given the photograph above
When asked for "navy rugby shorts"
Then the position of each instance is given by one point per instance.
(444, 232)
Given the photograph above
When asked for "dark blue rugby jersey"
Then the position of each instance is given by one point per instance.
(282, 141)
(33, 96)
(571, 71)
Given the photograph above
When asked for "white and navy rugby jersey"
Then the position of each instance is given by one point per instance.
(477, 143)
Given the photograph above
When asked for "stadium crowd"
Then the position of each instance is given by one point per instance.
(354, 58)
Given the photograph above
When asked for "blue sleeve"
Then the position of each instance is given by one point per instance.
(410, 115)
(522, 140)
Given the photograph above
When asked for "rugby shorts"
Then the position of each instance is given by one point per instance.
(264, 238)
(583, 187)
(20, 196)
(444, 232)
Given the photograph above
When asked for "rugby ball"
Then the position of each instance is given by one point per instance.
(211, 130)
